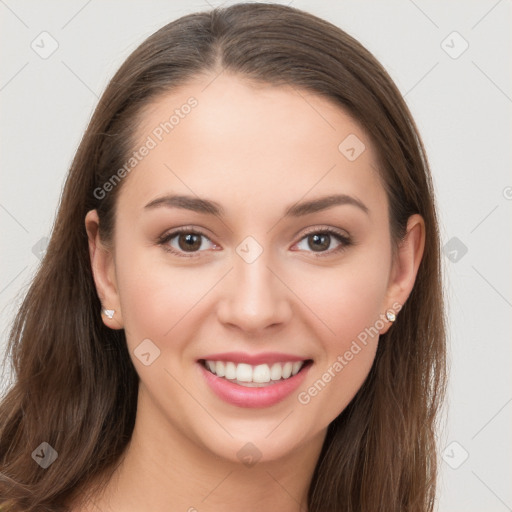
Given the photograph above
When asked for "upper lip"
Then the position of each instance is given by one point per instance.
(253, 359)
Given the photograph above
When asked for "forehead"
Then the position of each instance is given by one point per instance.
(241, 141)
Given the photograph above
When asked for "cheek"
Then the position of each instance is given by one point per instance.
(348, 304)
(156, 297)
(346, 299)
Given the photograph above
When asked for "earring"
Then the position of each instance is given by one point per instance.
(390, 315)
(108, 312)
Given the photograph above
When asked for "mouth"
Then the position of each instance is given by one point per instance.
(253, 380)
(255, 376)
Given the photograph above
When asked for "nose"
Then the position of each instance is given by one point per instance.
(254, 298)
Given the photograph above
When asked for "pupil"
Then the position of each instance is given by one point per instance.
(189, 242)
(320, 242)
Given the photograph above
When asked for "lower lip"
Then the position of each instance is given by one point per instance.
(243, 396)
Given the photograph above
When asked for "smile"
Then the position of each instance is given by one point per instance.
(256, 385)
(259, 375)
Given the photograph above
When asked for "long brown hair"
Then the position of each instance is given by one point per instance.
(75, 386)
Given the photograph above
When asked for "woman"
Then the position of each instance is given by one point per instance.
(240, 305)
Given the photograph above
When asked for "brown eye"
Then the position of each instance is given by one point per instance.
(189, 241)
(186, 242)
(324, 242)
(319, 242)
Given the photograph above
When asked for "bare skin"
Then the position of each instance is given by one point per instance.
(254, 150)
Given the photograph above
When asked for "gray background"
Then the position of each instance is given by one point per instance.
(461, 101)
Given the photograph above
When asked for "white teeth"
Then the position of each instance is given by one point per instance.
(220, 368)
(287, 370)
(244, 372)
(259, 374)
(230, 370)
(275, 371)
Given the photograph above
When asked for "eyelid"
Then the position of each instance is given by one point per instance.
(324, 229)
(164, 240)
(342, 236)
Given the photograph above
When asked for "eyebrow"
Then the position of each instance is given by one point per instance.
(299, 209)
(323, 203)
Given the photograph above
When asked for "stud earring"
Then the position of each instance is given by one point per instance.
(108, 312)
(390, 315)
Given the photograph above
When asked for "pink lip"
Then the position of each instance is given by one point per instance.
(242, 396)
(254, 359)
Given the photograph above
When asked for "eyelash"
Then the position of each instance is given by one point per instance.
(345, 241)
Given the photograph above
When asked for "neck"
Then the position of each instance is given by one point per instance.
(164, 470)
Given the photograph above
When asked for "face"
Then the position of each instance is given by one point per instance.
(253, 234)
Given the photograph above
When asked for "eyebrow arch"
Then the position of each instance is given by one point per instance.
(188, 203)
(213, 208)
(323, 203)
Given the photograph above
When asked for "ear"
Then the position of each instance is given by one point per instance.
(405, 266)
(103, 269)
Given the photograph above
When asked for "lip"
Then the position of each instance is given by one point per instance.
(248, 397)
(253, 359)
